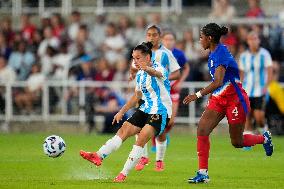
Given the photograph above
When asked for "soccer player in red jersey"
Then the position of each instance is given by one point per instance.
(228, 98)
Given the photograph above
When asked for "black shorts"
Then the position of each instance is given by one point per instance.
(140, 119)
(257, 103)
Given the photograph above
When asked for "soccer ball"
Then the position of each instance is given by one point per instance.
(54, 146)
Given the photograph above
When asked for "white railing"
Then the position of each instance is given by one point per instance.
(61, 113)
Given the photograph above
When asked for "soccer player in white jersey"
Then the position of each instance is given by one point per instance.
(255, 66)
(152, 117)
(154, 35)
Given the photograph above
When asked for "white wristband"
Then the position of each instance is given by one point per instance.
(198, 94)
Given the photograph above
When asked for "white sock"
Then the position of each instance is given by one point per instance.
(161, 148)
(203, 171)
(134, 156)
(145, 149)
(111, 145)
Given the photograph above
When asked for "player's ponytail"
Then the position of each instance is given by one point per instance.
(145, 48)
(215, 31)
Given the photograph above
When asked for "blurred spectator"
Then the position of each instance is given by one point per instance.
(36, 40)
(223, 10)
(5, 50)
(98, 31)
(86, 71)
(47, 62)
(121, 70)
(28, 28)
(114, 44)
(82, 44)
(61, 63)
(31, 96)
(57, 25)
(192, 48)
(6, 27)
(136, 35)
(103, 70)
(110, 104)
(45, 20)
(254, 9)
(49, 40)
(74, 25)
(7, 75)
(21, 60)
(124, 25)
(231, 41)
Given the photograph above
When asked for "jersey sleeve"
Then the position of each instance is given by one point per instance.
(173, 64)
(181, 59)
(242, 62)
(268, 60)
(137, 81)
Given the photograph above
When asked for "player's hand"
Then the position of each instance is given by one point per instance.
(143, 65)
(117, 118)
(131, 77)
(189, 98)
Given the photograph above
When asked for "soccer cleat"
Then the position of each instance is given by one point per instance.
(92, 157)
(199, 178)
(159, 166)
(141, 164)
(120, 178)
(267, 145)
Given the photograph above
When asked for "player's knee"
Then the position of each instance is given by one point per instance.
(201, 131)
(237, 143)
(123, 132)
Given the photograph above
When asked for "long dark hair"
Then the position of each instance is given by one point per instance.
(215, 31)
(145, 48)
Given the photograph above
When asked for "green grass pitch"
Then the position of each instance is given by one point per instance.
(24, 165)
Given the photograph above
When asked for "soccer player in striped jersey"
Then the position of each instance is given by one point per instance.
(165, 57)
(152, 117)
(228, 98)
(255, 66)
(168, 40)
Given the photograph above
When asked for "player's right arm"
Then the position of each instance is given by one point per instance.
(130, 104)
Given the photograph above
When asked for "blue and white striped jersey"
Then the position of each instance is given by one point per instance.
(155, 91)
(254, 67)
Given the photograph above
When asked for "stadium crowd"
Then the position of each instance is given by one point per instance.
(57, 48)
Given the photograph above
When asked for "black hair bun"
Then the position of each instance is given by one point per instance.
(148, 44)
(224, 30)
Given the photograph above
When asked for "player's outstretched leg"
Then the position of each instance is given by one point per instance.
(144, 160)
(136, 153)
(111, 145)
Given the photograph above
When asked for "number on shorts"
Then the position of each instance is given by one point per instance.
(235, 111)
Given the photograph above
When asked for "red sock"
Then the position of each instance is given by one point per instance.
(203, 147)
(153, 141)
(251, 140)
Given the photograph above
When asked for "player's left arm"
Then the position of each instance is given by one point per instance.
(184, 74)
(269, 72)
(174, 75)
(218, 81)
